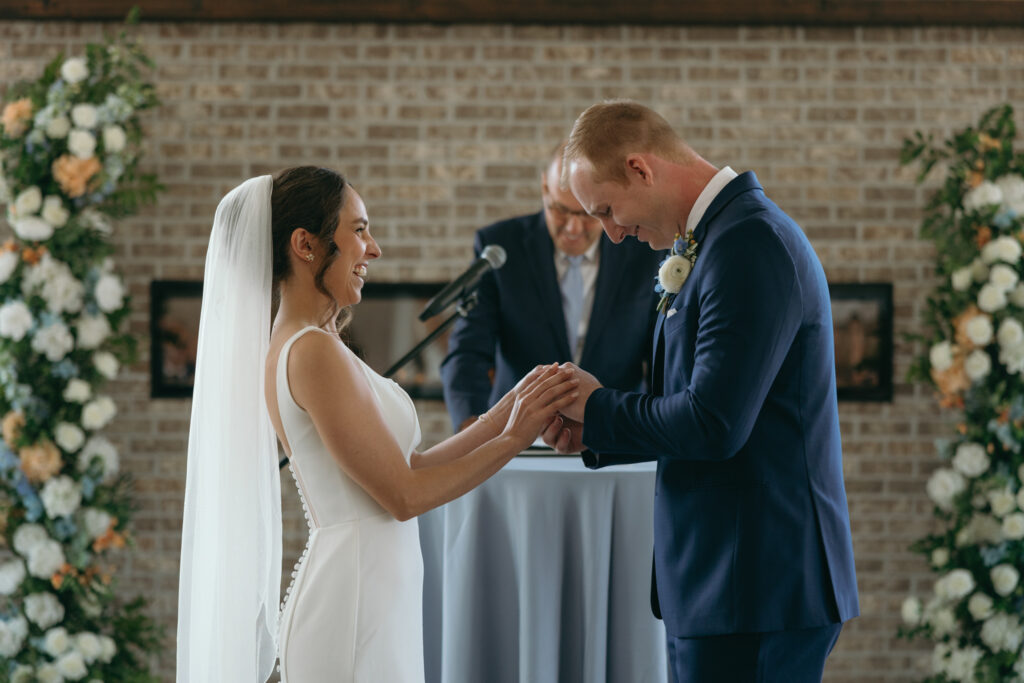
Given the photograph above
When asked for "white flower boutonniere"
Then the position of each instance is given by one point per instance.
(675, 269)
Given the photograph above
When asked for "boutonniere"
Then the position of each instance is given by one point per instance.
(675, 269)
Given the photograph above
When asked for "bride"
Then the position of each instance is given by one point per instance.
(354, 608)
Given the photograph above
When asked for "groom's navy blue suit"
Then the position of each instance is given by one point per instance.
(751, 528)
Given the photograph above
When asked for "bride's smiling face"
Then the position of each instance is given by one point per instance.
(344, 278)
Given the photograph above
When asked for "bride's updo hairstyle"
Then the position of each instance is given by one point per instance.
(311, 198)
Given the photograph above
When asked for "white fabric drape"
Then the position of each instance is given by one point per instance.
(231, 537)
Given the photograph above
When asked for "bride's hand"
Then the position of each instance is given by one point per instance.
(500, 411)
(538, 400)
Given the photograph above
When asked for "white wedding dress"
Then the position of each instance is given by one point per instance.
(354, 610)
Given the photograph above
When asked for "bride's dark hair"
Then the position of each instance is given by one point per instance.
(307, 197)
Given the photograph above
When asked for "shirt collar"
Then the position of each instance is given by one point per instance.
(588, 256)
(707, 195)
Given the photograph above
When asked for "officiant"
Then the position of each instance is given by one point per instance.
(565, 293)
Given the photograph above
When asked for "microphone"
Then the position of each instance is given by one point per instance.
(493, 256)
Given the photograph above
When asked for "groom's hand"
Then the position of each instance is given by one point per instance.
(564, 435)
(588, 383)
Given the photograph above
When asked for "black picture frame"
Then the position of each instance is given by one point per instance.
(174, 307)
(863, 332)
(385, 326)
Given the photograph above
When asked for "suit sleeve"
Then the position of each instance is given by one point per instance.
(471, 351)
(750, 309)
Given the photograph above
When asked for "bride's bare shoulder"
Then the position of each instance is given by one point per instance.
(319, 363)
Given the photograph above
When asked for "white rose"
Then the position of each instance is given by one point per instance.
(28, 202)
(1004, 578)
(971, 459)
(109, 293)
(63, 293)
(673, 273)
(940, 557)
(81, 143)
(74, 70)
(89, 645)
(979, 330)
(96, 521)
(48, 673)
(955, 585)
(962, 664)
(1012, 187)
(8, 262)
(1002, 501)
(77, 391)
(92, 330)
(1013, 526)
(23, 673)
(984, 195)
(1011, 333)
(109, 648)
(114, 139)
(1003, 248)
(1002, 632)
(58, 127)
(1017, 296)
(32, 229)
(980, 606)
(1004, 277)
(84, 115)
(61, 496)
(28, 537)
(940, 658)
(56, 641)
(911, 611)
(12, 573)
(15, 320)
(943, 486)
(943, 621)
(978, 365)
(69, 437)
(106, 364)
(54, 342)
(72, 666)
(54, 212)
(98, 412)
(100, 448)
(44, 610)
(97, 220)
(991, 298)
(1020, 498)
(962, 279)
(1013, 358)
(45, 559)
(12, 636)
(941, 356)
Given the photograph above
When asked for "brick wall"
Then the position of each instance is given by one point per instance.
(444, 129)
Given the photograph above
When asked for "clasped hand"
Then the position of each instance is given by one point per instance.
(565, 431)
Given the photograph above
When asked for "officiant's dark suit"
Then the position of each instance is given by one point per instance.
(753, 557)
(519, 322)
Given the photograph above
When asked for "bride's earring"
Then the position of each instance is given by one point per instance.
(309, 257)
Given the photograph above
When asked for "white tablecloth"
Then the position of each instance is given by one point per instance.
(542, 575)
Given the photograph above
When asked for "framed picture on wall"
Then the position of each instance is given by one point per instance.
(385, 326)
(862, 327)
(174, 307)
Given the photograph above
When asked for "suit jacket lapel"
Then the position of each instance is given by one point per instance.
(540, 254)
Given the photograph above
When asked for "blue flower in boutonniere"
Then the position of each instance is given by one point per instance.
(675, 269)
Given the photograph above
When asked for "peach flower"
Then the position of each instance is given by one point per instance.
(74, 174)
(32, 256)
(952, 383)
(11, 425)
(40, 462)
(983, 236)
(960, 325)
(16, 116)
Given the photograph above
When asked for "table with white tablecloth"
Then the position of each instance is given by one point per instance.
(542, 574)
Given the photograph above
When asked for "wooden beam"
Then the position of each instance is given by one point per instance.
(675, 12)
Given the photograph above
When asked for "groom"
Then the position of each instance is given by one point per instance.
(753, 559)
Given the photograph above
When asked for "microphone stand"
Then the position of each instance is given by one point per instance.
(466, 304)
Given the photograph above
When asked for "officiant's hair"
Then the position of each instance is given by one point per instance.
(311, 198)
(606, 132)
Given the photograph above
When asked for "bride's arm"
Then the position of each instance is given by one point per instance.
(328, 384)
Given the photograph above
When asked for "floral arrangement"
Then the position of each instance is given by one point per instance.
(975, 360)
(69, 149)
(674, 270)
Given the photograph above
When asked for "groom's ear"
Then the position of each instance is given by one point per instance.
(637, 168)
